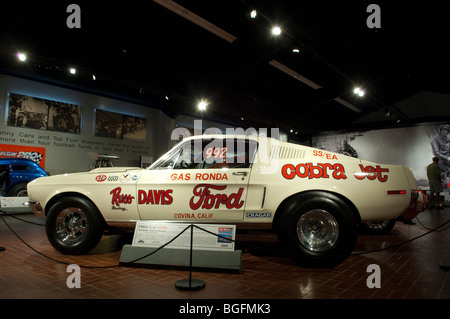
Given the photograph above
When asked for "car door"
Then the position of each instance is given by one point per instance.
(201, 181)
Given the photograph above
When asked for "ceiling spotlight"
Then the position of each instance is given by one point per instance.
(295, 50)
(72, 70)
(21, 56)
(253, 14)
(202, 105)
(359, 91)
(276, 30)
(93, 77)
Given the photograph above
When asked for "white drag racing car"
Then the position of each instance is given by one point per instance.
(315, 200)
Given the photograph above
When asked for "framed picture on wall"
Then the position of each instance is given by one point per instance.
(116, 125)
(32, 112)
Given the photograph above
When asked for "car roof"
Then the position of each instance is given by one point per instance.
(16, 160)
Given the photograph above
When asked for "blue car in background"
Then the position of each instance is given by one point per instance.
(15, 173)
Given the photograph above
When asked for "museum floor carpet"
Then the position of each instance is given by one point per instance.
(408, 271)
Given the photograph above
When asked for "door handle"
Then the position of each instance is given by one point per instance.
(243, 174)
(240, 173)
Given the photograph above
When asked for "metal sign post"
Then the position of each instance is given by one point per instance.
(190, 284)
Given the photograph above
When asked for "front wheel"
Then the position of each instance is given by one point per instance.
(74, 225)
(319, 228)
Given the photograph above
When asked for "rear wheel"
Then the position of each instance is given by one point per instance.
(74, 225)
(319, 228)
(18, 190)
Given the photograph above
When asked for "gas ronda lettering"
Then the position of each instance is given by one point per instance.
(199, 176)
(310, 171)
(205, 200)
(155, 197)
(315, 201)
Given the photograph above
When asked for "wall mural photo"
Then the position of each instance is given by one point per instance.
(410, 146)
(37, 113)
(116, 125)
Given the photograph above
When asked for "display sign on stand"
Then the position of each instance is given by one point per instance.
(172, 245)
(156, 234)
(15, 204)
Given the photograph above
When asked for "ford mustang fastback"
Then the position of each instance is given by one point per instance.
(314, 200)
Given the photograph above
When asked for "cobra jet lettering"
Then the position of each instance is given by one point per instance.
(205, 200)
(119, 198)
(372, 173)
(310, 171)
(155, 197)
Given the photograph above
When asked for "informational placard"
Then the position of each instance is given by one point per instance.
(156, 234)
(14, 202)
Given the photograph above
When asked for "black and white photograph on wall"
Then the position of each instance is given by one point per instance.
(27, 111)
(43, 114)
(413, 146)
(134, 128)
(116, 125)
(108, 124)
(64, 117)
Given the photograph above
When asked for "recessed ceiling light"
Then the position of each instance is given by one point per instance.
(72, 70)
(202, 105)
(253, 14)
(21, 56)
(295, 50)
(276, 30)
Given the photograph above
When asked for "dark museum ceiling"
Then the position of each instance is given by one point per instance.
(142, 52)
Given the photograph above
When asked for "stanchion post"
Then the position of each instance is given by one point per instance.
(190, 284)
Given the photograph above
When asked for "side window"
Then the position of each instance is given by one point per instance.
(168, 163)
(20, 167)
(233, 153)
(210, 154)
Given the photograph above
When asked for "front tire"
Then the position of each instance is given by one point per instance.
(74, 225)
(319, 228)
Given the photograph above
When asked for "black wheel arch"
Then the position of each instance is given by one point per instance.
(314, 193)
(57, 197)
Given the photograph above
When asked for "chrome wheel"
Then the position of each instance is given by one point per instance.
(317, 230)
(71, 225)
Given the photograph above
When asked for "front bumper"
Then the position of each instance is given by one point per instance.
(36, 208)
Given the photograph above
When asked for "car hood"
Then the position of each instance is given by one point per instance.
(109, 170)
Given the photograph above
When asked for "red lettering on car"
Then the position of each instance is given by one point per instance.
(206, 200)
(310, 171)
(119, 198)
